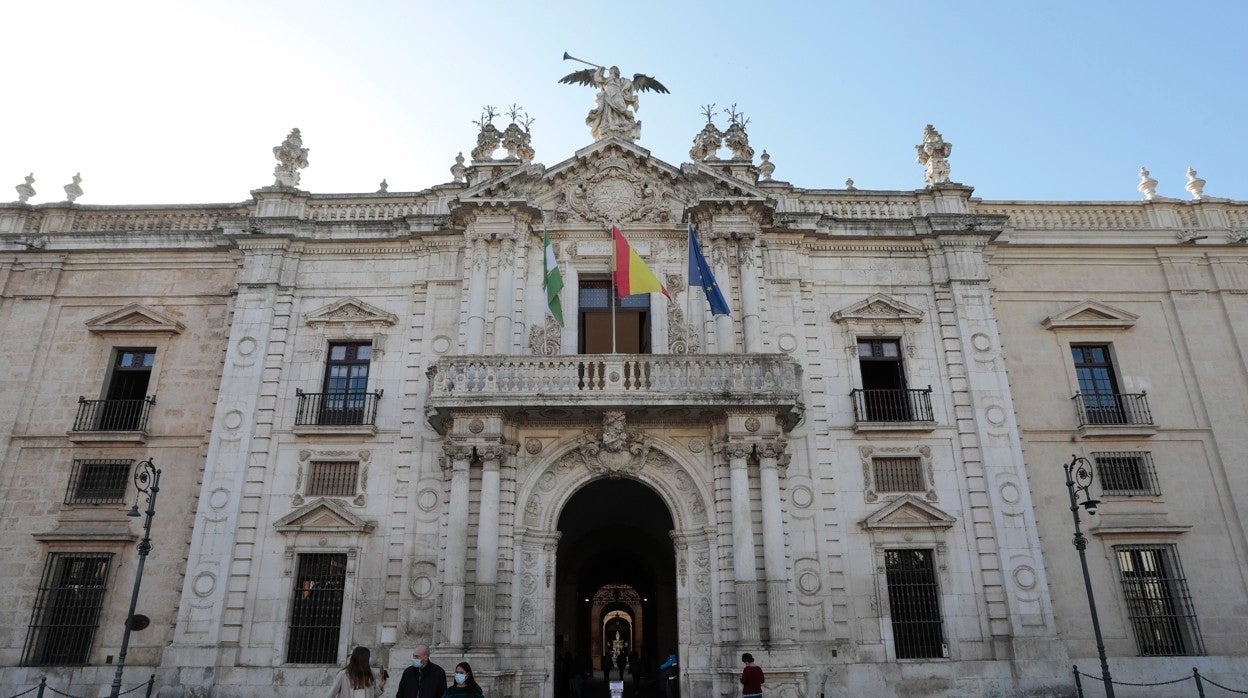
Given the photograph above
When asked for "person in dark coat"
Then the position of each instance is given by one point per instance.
(423, 679)
(606, 667)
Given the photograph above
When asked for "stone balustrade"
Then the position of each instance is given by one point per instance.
(602, 381)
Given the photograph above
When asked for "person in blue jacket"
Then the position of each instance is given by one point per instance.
(671, 673)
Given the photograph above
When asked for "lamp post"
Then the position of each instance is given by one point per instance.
(1079, 477)
(147, 483)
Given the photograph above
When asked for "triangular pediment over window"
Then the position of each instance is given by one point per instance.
(322, 516)
(350, 311)
(1090, 314)
(134, 318)
(878, 307)
(908, 512)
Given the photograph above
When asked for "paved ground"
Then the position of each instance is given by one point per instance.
(597, 688)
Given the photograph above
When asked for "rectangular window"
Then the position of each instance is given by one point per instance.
(67, 609)
(1098, 384)
(98, 481)
(125, 398)
(332, 478)
(632, 320)
(1126, 472)
(316, 609)
(898, 475)
(914, 604)
(883, 397)
(1158, 602)
(346, 383)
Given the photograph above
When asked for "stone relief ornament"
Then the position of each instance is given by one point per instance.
(533, 446)
(458, 170)
(1195, 185)
(516, 137)
(545, 339)
(616, 194)
(72, 190)
(615, 452)
(26, 189)
(1147, 185)
(291, 157)
(489, 137)
(933, 154)
(617, 94)
(735, 137)
(766, 168)
(709, 140)
(682, 337)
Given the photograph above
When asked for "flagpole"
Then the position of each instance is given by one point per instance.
(688, 290)
(614, 263)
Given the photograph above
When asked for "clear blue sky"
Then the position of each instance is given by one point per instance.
(182, 102)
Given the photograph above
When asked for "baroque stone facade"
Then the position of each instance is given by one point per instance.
(891, 396)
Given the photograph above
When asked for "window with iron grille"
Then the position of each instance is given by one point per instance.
(316, 609)
(893, 475)
(98, 481)
(67, 609)
(1126, 472)
(332, 478)
(914, 603)
(1158, 602)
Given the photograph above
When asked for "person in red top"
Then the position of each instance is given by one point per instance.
(751, 678)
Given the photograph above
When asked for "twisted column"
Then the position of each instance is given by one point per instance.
(458, 456)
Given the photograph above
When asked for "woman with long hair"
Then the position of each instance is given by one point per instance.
(357, 679)
(465, 684)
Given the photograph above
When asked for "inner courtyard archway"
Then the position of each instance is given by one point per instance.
(615, 589)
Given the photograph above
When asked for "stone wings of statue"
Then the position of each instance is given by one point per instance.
(616, 95)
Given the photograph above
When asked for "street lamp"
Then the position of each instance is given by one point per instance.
(147, 483)
(1079, 477)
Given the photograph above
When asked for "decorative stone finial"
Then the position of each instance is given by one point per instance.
(1147, 185)
(516, 137)
(291, 157)
(458, 170)
(933, 154)
(765, 167)
(383, 187)
(72, 190)
(735, 137)
(26, 189)
(489, 138)
(1195, 185)
(849, 184)
(709, 139)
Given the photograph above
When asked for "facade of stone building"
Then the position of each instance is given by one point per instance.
(371, 431)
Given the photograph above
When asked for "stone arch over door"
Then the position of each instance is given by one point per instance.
(573, 464)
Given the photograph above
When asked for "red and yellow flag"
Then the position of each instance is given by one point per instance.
(630, 273)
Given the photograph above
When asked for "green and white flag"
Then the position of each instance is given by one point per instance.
(552, 279)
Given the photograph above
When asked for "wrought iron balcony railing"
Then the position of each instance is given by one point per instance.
(1098, 409)
(893, 405)
(113, 415)
(336, 409)
(594, 382)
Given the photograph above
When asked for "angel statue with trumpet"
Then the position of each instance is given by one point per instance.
(616, 93)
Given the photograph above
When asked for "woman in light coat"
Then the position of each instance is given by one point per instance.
(357, 679)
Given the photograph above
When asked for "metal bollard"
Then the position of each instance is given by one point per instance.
(43, 683)
(151, 683)
(1078, 683)
(1200, 686)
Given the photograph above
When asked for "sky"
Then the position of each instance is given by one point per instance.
(183, 102)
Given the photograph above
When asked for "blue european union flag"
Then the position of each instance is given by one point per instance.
(700, 275)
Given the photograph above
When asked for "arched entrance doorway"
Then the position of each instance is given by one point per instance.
(615, 590)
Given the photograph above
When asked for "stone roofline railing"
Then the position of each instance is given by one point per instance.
(1161, 215)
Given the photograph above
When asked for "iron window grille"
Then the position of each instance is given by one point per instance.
(316, 608)
(67, 609)
(914, 604)
(98, 481)
(1127, 473)
(332, 478)
(1158, 603)
(893, 475)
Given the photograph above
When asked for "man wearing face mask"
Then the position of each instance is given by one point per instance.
(423, 679)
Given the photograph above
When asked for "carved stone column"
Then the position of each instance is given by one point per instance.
(487, 546)
(478, 256)
(720, 246)
(459, 456)
(743, 543)
(751, 328)
(771, 458)
(503, 293)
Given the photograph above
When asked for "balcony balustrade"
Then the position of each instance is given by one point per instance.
(591, 383)
(336, 409)
(113, 415)
(1108, 409)
(893, 408)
